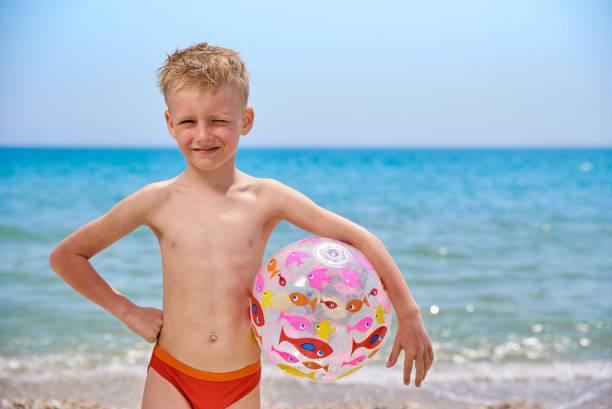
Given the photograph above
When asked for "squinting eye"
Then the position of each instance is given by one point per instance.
(219, 121)
(188, 121)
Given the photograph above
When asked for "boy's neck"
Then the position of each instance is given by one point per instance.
(218, 180)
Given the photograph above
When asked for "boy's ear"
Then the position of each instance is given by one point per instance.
(247, 120)
(169, 123)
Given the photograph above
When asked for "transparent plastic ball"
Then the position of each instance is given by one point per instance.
(319, 310)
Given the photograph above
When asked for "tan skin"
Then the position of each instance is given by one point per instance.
(212, 222)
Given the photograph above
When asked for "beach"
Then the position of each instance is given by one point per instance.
(371, 390)
(505, 251)
(82, 404)
(277, 394)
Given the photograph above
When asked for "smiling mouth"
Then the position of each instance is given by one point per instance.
(209, 150)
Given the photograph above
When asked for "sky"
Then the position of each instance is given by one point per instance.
(519, 73)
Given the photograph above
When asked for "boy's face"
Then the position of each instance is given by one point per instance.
(207, 123)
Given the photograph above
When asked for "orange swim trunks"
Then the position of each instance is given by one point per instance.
(205, 390)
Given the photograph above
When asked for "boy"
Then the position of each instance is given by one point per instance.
(212, 222)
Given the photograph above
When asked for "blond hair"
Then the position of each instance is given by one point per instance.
(203, 65)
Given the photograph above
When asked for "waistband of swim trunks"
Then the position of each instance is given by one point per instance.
(203, 375)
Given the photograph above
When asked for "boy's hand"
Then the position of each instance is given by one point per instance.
(413, 339)
(144, 321)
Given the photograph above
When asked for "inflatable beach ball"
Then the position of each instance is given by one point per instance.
(319, 310)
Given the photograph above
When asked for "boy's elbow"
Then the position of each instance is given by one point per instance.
(55, 258)
(58, 257)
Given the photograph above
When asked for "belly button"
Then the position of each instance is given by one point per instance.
(213, 338)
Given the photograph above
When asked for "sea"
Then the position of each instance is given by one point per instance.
(508, 253)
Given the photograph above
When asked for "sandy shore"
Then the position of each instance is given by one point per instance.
(83, 404)
(122, 389)
(125, 392)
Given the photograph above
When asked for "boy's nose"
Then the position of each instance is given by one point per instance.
(204, 133)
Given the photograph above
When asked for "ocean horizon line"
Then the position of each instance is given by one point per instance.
(327, 147)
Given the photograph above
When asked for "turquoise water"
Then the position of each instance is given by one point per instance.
(507, 252)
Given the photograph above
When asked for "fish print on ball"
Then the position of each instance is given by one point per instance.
(319, 310)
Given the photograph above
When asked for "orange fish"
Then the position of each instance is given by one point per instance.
(301, 300)
(314, 365)
(272, 267)
(356, 305)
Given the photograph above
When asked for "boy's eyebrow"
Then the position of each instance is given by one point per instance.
(210, 114)
(195, 113)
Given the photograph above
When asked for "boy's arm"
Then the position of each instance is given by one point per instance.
(70, 260)
(290, 205)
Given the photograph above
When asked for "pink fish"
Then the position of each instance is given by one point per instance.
(298, 322)
(345, 289)
(316, 278)
(295, 257)
(351, 278)
(285, 355)
(310, 240)
(260, 283)
(355, 361)
(363, 325)
(364, 261)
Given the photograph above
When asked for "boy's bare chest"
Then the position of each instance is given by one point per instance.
(215, 232)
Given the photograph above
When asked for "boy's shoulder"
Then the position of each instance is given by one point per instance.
(154, 192)
(258, 186)
(279, 197)
(265, 187)
(147, 199)
(267, 192)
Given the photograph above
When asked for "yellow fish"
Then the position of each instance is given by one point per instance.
(292, 371)
(266, 299)
(350, 372)
(380, 312)
(323, 329)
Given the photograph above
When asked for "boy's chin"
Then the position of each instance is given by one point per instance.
(209, 167)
